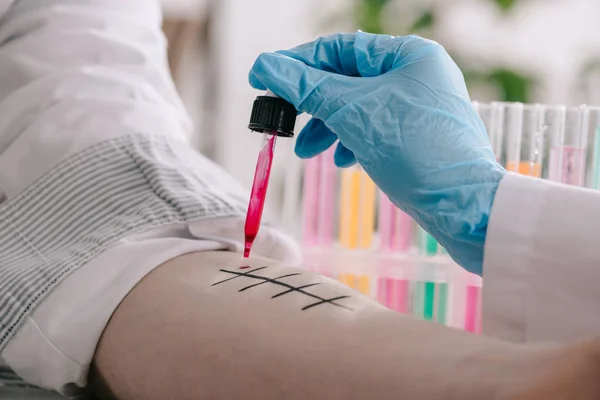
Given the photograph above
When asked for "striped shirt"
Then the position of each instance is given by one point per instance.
(110, 190)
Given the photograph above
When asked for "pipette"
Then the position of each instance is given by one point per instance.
(271, 116)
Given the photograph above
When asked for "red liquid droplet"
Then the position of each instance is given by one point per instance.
(259, 192)
(245, 267)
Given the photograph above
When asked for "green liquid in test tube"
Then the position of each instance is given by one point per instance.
(429, 246)
(418, 296)
(596, 172)
(430, 301)
(442, 303)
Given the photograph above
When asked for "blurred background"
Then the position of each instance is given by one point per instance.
(513, 50)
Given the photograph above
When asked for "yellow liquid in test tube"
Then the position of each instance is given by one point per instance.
(364, 284)
(361, 283)
(357, 209)
(525, 168)
(348, 280)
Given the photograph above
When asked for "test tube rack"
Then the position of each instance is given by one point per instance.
(353, 233)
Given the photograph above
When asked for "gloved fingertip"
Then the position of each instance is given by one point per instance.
(343, 157)
(266, 63)
(308, 150)
(302, 154)
(314, 139)
(281, 75)
(344, 163)
(302, 150)
(254, 82)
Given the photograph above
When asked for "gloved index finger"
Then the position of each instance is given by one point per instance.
(358, 54)
(309, 89)
(333, 53)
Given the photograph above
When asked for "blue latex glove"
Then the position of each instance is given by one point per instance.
(399, 106)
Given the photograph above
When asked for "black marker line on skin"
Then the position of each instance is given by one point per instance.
(275, 281)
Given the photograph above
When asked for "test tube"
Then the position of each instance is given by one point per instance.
(430, 301)
(395, 226)
(363, 284)
(485, 114)
(357, 209)
(392, 287)
(292, 195)
(430, 292)
(312, 170)
(393, 293)
(524, 139)
(327, 188)
(350, 280)
(434, 301)
(319, 200)
(595, 173)
(497, 127)
(492, 116)
(473, 308)
(569, 146)
(428, 246)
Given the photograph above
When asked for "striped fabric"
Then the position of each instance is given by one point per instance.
(9, 379)
(102, 194)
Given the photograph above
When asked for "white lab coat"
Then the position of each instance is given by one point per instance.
(542, 262)
(541, 259)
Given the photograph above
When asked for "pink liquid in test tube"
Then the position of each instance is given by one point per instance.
(319, 200)
(393, 293)
(395, 227)
(326, 199)
(473, 309)
(385, 292)
(310, 204)
(382, 291)
(385, 224)
(259, 192)
(567, 165)
(401, 289)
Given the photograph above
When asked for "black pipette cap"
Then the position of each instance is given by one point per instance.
(272, 114)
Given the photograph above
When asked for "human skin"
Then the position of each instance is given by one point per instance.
(181, 334)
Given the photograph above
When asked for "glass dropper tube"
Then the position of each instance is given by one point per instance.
(272, 117)
(259, 191)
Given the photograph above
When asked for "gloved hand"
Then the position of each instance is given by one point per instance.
(399, 106)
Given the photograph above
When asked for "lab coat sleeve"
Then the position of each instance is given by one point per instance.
(542, 262)
(77, 72)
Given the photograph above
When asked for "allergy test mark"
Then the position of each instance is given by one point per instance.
(258, 280)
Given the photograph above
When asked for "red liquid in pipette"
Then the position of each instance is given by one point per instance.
(259, 192)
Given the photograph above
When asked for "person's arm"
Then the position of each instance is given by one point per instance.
(541, 269)
(205, 326)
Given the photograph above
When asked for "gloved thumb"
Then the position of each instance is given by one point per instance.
(310, 90)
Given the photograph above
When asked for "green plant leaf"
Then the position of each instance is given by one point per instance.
(505, 5)
(368, 15)
(513, 85)
(425, 21)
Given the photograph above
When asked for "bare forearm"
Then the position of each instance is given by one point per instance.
(204, 326)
